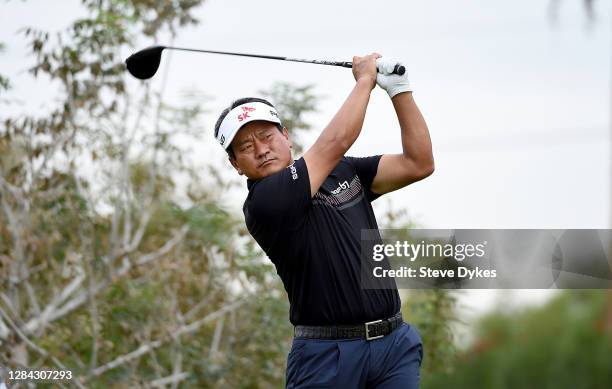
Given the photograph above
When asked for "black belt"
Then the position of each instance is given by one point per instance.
(370, 330)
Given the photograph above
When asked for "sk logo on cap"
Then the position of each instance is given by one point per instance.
(241, 115)
(245, 113)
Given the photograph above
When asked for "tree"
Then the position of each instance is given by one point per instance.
(115, 262)
(110, 265)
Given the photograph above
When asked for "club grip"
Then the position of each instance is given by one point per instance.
(398, 69)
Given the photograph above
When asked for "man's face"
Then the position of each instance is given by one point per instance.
(260, 150)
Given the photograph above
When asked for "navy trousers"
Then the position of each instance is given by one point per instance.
(387, 363)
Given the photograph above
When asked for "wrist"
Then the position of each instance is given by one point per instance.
(401, 95)
(396, 90)
(370, 82)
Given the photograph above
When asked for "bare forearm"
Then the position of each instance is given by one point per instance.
(344, 128)
(416, 142)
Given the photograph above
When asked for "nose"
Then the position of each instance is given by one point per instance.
(261, 148)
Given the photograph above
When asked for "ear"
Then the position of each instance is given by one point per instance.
(235, 165)
(285, 133)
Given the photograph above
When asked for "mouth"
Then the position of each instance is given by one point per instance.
(267, 162)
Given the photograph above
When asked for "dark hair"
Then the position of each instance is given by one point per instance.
(235, 104)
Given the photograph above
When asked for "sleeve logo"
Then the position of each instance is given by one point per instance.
(293, 172)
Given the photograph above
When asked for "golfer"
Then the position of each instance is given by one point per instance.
(307, 215)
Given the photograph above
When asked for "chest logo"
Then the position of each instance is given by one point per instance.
(342, 186)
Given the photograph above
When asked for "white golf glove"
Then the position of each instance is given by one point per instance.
(392, 83)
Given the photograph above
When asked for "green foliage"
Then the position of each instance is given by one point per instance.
(433, 312)
(147, 271)
(208, 225)
(257, 353)
(152, 272)
(564, 344)
(4, 81)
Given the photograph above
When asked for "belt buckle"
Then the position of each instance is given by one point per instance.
(367, 333)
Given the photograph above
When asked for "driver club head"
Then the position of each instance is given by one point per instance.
(144, 63)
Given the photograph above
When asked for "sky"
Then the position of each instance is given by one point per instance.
(517, 107)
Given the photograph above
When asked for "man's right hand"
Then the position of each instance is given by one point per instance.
(364, 69)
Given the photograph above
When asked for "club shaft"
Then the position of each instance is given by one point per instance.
(398, 69)
(321, 62)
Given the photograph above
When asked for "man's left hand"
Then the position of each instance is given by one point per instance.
(392, 83)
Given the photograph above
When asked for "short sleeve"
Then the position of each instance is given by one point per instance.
(366, 168)
(282, 198)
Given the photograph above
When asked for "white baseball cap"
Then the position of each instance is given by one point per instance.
(241, 115)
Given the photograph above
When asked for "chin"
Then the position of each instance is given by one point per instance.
(271, 168)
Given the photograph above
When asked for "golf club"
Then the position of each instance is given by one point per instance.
(144, 63)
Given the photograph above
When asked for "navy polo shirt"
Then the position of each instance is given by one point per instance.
(314, 242)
